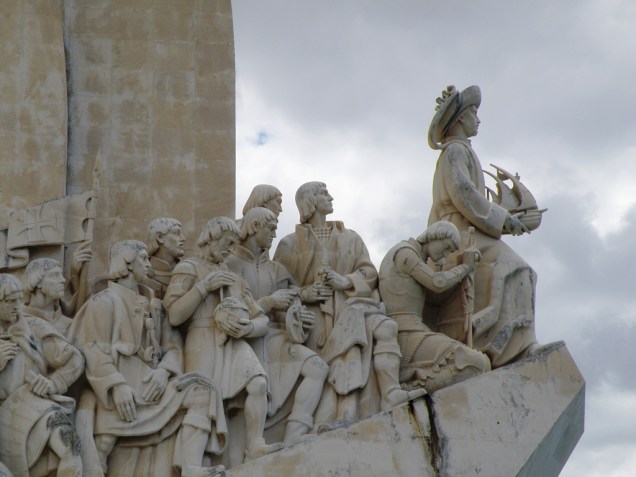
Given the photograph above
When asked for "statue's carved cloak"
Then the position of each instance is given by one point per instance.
(343, 335)
(110, 331)
(23, 415)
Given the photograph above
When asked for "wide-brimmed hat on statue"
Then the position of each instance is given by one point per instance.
(449, 106)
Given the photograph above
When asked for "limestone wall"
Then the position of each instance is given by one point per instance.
(33, 104)
(152, 90)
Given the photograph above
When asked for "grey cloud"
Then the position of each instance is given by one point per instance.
(556, 77)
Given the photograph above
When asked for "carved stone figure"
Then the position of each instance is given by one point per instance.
(283, 356)
(429, 359)
(44, 283)
(219, 312)
(265, 195)
(37, 435)
(165, 247)
(45, 287)
(352, 334)
(134, 365)
(503, 318)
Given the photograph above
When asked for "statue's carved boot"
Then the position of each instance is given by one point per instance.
(194, 441)
(260, 449)
(400, 396)
(536, 349)
(297, 429)
(197, 471)
(387, 366)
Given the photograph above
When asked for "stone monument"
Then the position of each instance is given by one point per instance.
(159, 362)
(132, 100)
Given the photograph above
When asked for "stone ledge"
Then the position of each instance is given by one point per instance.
(521, 420)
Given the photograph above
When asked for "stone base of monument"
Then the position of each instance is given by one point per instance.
(520, 420)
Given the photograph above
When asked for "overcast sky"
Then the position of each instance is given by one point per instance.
(343, 91)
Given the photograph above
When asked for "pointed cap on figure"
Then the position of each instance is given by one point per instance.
(449, 106)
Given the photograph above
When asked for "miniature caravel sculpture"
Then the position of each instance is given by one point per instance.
(188, 366)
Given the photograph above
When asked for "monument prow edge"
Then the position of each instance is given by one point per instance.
(523, 419)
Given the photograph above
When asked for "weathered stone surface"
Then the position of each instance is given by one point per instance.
(392, 443)
(520, 420)
(151, 89)
(33, 101)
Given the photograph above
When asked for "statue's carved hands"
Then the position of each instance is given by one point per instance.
(239, 329)
(471, 256)
(8, 350)
(281, 299)
(315, 293)
(124, 398)
(514, 226)
(337, 281)
(42, 386)
(217, 279)
(157, 381)
(82, 255)
(155, 307)
(307, 319)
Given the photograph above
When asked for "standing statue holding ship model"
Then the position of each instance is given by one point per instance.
(280, 348)
(504, 284)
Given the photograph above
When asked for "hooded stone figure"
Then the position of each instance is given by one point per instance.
(503, 317)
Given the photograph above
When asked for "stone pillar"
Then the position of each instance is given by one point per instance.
(151, 87)
(33, 101)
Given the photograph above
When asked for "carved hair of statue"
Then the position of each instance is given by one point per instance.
(261, 195)
(8, 285)
(35, 271)
(306, 199)
(121, 255)
(157, 228)
(214, 229)
(256, 218)
(439, 231)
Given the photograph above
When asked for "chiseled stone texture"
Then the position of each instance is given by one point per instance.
(33, 111)
(520, 420)
(152, 89)
(391, 443)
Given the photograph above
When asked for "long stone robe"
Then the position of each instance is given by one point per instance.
(504, 283)
(282, 358)
(345, 323)
(111, 332)
(24, 416)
